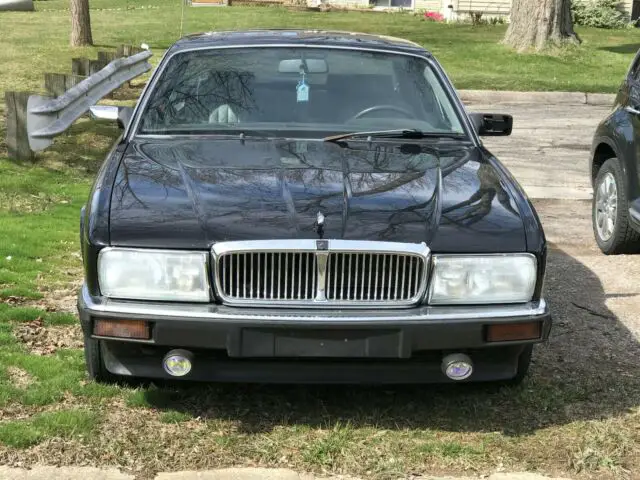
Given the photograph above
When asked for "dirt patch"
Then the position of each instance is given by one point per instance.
(41, 340)
(19, 378)
(15, 301)
(29, 203)
(61, 300)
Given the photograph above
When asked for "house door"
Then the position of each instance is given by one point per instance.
(635, 11)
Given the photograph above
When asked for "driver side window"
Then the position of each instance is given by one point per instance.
(634, 71)
(633, 82)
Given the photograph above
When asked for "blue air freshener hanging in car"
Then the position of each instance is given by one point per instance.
(302, 89)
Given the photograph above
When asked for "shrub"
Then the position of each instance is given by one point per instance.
(599, 13)
(434, 16)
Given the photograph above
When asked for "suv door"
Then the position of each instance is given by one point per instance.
(629, 98)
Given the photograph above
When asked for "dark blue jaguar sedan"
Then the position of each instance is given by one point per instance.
(308, 206)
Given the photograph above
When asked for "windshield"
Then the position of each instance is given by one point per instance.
(309, 92)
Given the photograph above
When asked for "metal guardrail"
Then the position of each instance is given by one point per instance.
(47, 117)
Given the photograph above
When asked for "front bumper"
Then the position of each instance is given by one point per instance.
(298, 345)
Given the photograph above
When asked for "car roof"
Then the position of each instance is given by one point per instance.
(329, 38)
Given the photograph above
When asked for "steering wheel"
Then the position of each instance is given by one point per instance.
(377, 108)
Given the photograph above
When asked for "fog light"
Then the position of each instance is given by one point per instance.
(457, 366)
(177, 363)
(122, 329)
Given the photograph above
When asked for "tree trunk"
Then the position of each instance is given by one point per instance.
(540, 23)
(80, 23)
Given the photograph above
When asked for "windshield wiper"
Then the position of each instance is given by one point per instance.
(223, 132)
(409, 133)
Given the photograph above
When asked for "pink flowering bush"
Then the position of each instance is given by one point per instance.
(434, 16)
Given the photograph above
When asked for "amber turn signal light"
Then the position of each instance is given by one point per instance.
(510, 332)
(122, 328)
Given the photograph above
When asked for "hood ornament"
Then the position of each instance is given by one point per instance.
(319, 224)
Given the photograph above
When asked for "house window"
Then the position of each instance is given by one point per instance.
(394, 3)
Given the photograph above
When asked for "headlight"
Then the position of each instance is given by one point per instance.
(479, 279)
(153, 275)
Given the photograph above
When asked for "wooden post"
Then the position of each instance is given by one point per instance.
(127, 51)
(95, 66)
(80, 66)
(57, 83)
(123, 51)
(17, 137)
(72, 80)
(106, 57)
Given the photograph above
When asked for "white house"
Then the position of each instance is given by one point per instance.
(451, 9)
(456, 8)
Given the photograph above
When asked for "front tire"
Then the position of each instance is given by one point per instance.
(524, 362)
(95, 365)
(610, 216)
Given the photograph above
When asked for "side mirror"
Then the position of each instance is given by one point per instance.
(122, 115)
(492, 124)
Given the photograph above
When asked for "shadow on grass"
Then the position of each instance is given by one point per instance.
(585, 372)
(84, 145)
(623, 49)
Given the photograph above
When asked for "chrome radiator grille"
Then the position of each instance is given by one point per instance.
(268, 275)
(313, 273)
(373, 277)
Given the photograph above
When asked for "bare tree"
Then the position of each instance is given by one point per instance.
(539, 23)
(80, 23)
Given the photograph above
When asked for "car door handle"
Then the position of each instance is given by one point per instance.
(632, 110)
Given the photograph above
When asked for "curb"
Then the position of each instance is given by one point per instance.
(538, 98)
(82, 473)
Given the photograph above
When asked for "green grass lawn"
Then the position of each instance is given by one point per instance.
(49, 413)
(34, 43)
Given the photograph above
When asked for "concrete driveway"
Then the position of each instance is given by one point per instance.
(548, 154)
(548, 151)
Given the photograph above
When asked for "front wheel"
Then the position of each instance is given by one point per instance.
(95, 365)
(610, 214)
(524, 362)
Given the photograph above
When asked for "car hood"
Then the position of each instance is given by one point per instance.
(191, 193)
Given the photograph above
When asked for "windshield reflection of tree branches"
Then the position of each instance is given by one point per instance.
(215, 90)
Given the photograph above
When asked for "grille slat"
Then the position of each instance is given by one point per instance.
(351, 277)
(244, 284)
(357, 286)
(410, 276)
(375, 288)
(384, 275)
(342, 281)
(298, 258)
(313, 276)
(259, 276)
(306, 280)
(404, 268)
